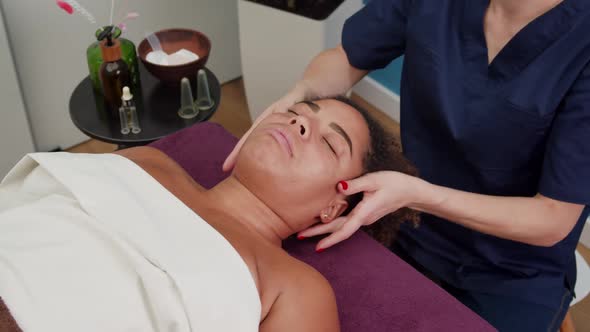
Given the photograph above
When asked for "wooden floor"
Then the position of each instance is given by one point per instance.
(233, 115)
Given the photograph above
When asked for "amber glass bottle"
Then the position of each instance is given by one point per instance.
(113, 73)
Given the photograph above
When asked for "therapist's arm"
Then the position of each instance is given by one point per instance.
(537, 220)
(328, 74)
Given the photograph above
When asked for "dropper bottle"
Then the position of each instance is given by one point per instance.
(129, 109)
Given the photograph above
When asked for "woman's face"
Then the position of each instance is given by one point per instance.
(293, 161)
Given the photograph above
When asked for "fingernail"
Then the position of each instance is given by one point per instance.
(319, 250)
(344, 185)
(300, 237)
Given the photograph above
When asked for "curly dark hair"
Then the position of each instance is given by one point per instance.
(384, 154)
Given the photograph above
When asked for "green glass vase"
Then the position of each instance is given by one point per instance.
(94, 58)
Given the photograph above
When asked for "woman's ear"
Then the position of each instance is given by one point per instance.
(334, 210)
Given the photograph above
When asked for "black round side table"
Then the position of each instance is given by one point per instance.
(157, 106)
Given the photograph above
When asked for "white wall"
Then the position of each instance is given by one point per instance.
(585, 237)
(49, 47)
(15, 134)
(277, 46)
(379, 96)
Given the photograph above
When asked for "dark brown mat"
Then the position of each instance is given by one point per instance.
(7, 323)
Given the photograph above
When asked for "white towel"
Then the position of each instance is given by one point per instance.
(94, 243)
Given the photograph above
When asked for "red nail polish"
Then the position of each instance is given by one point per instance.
(300, 237)
(344, 185)
(319, 250)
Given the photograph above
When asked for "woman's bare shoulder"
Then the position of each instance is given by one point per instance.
(159, 165)
(305, 300)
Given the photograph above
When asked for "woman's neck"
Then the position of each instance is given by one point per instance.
(521, 11)
(240, 204)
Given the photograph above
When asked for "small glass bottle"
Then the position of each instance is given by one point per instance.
(129, 111)
(124, 120)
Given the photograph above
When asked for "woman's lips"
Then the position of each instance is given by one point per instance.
(283, 139)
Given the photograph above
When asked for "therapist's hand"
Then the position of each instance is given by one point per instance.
(384, 192)
(297, 94)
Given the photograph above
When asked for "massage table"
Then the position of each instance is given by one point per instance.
(375, 290)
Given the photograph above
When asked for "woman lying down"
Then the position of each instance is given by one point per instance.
(128, 241)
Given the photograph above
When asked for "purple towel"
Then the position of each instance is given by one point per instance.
(375, 290)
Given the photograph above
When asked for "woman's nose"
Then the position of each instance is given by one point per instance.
(301, 125)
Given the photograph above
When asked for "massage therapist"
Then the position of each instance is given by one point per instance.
(495, 113)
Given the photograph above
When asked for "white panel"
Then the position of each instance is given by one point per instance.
(379, 96)
(15, 134)
(582, 288)
(50, 50)
(276, 46)
(585, 238)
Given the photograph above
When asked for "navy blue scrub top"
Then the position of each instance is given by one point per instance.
(516, 127)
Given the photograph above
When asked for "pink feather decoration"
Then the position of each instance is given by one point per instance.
(129, 16)
(71, 6)
(65, 6)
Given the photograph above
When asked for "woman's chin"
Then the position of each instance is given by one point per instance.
(265, 165)
(265, 156)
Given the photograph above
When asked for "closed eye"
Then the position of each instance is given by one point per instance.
(330, 146)
(292, 111)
